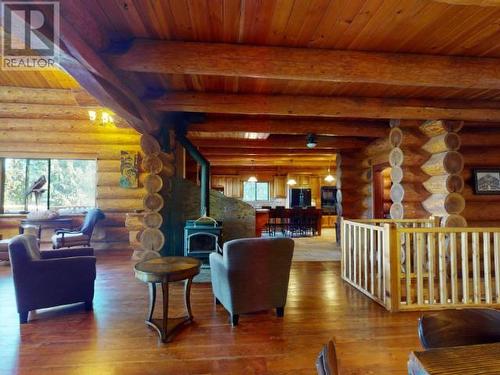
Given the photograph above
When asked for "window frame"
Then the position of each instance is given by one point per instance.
(255, 196)
(49, 173)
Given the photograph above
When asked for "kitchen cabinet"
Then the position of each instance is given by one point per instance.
(279, 187)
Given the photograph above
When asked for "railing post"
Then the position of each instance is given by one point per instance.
(391, 268)
(342, 247)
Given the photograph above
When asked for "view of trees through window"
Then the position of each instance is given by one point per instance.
(70, 183)
(255, 191)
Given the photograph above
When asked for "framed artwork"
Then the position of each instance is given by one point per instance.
(486, 180)
(129, 170)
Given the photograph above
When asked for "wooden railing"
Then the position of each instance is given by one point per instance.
(415, 266)
(362, 260)
(448, 267)
(403, 223)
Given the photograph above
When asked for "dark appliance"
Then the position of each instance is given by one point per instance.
(300, 197)
(329, 200)
(201, 237)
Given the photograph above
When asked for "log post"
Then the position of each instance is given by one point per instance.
(444, 167)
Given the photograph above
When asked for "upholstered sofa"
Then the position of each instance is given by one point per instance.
(50, 278)
(252, 275)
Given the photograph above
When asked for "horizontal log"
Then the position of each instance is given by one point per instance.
(432, 128)
(58, 125)
(408, 174)
(63, 149)
(116, 192)
(449, 183)
(450, 162)
(74, 138)
(309, 64)
(444, 204)
(480, 211)
(481, 156)
(126, 204)
(282, 141)
(442, 142)
(484, 137)
(113, 179)
(470, 196)
(319, 127)
(10, 94)
(453, 221)
(357, 107)
(44, 111)
(414, 210)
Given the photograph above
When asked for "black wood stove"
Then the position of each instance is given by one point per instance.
(201, 237)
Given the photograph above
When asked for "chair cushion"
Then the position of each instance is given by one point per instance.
(70, 239)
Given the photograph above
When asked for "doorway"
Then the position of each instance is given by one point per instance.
(381, 190)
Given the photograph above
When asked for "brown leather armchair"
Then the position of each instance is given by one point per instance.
(50, 278)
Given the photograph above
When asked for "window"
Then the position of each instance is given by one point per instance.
(255, 191)
(70, 183)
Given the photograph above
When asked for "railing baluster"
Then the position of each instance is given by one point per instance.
(496, 251)
(431, 248)
(419, 268)
(487, 266)
(465, 267)
(453, 261)
(355, 254)
(372, 261)
(365, 257)
(476, 276)
(443, 290)
(408, 268)
(380, 270)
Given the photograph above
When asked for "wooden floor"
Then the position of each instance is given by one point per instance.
(114, 340)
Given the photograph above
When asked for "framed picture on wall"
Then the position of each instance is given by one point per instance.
(486, 180)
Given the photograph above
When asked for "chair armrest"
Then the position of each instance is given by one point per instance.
(74, 252)
(65, 230)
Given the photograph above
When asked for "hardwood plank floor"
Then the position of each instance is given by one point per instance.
(114, 339)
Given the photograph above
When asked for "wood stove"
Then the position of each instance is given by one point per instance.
(201, 237)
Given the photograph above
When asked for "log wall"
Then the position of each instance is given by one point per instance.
(52, 138)
(480, 149)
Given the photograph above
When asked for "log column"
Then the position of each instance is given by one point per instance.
(405, 159)
(159, 167)
(444, 168)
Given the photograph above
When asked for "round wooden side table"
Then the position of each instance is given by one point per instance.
(163, 271)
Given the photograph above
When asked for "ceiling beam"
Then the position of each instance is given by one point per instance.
(95, 76)
(268, 169)
(355, 107)
(265, 151)
(308, 64)
(284, 142)
(320, 127)
(285, 163)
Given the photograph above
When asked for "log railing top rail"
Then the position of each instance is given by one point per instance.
(389, 221)
(363, 225)
(449, 230)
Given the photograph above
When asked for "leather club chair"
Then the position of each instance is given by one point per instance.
(459, 327)
(80, 237)
(50, 278)
(252, 275)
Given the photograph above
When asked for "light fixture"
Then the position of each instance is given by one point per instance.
(329, 177)
(101, 118)
(311, 141)
(252, 178)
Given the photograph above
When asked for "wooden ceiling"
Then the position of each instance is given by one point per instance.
(284, 68)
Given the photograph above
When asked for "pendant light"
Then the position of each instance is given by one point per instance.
(252, 178)
(329, 178)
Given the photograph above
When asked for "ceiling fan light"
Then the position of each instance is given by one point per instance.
(291, 182)
(252, 179)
